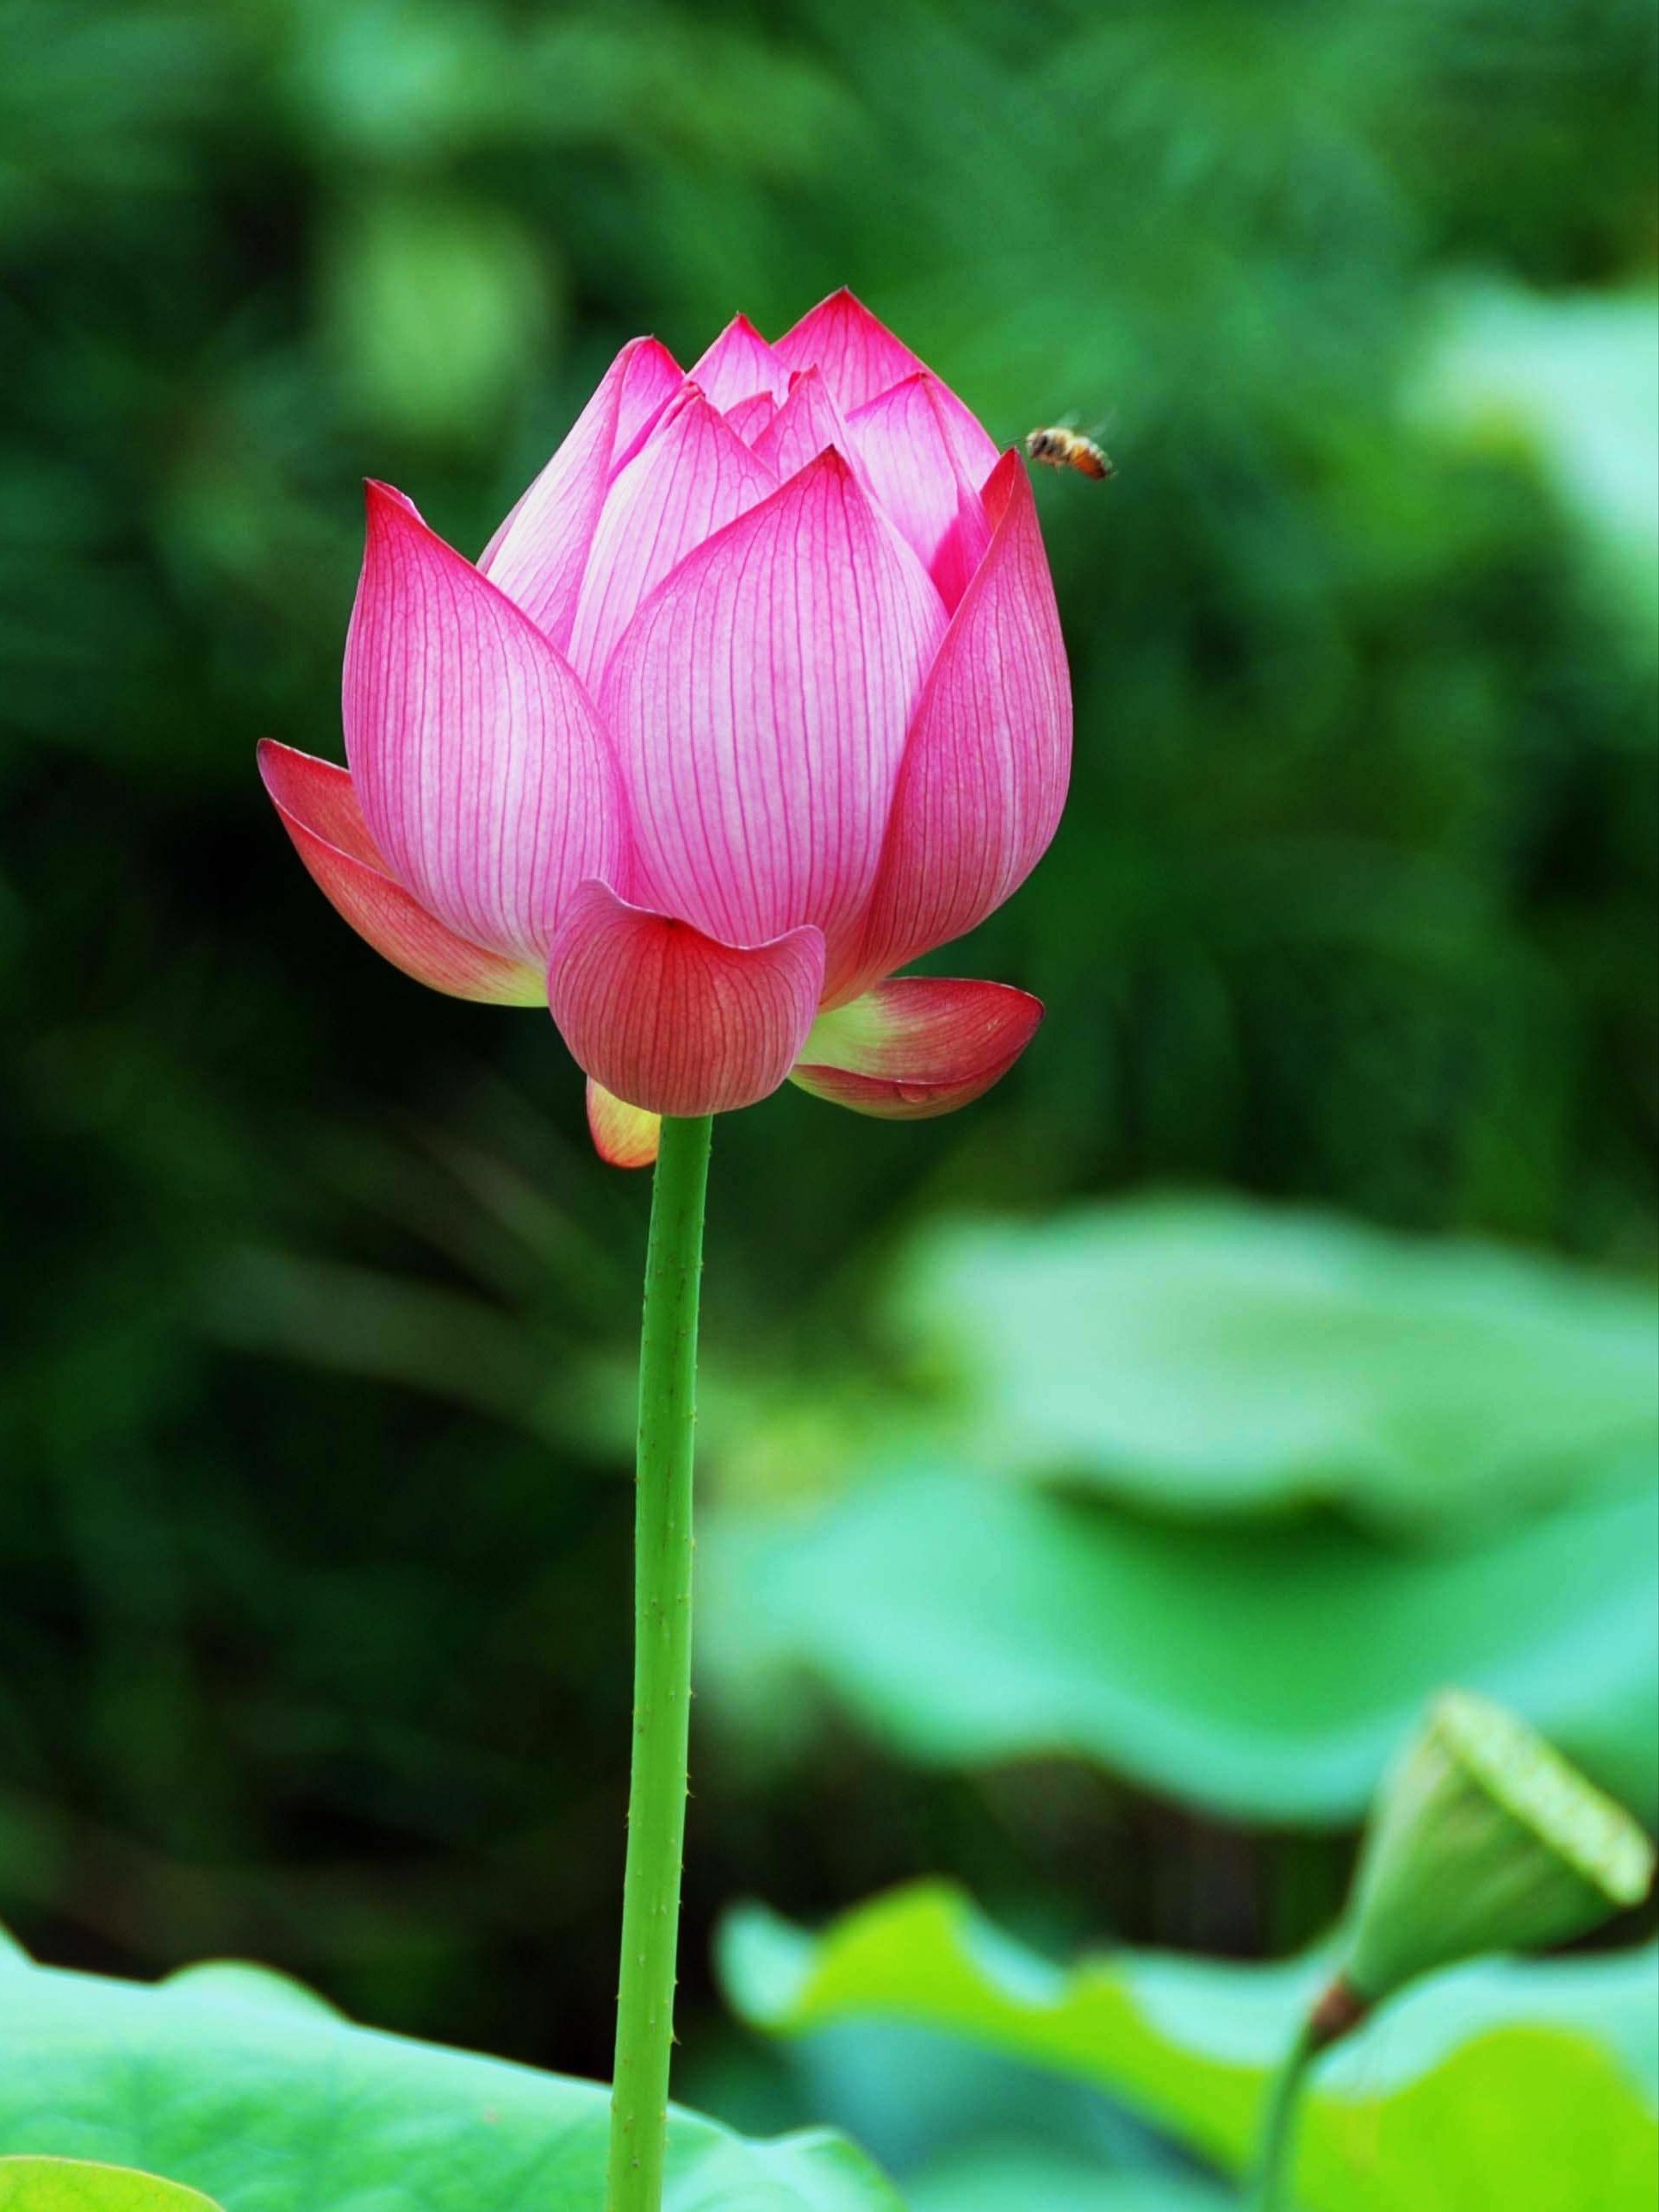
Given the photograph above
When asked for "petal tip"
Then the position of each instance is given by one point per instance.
(384, 504)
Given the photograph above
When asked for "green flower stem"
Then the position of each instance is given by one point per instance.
(1270, 2190)
(663, 1620)
(1339, 2010)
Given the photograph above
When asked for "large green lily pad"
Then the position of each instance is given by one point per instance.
(245, 2088)
(29, 2185)
(1208, 1355)
(1506, 2083)
(1266, 1672)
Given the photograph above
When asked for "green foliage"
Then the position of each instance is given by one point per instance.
(29, 2185)
(314, 1530)
(1575, 381)
(1005, 2177)
(1192, 1355)
(1501, 2084)
(239, 2082)
(1264, 1674)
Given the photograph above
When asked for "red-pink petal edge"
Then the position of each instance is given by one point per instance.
(917, 1045)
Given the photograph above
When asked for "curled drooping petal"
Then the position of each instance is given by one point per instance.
(671, 1020)
(319, 810)
(917, 1046)
(986, 765)
(484, 777)
(539, 555)
(759, 702)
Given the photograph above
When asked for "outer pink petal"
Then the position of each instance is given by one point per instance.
(319, 810)
(917, 1046)
(539, 554)
(486, 779)
(750, 418)
(985, 769)
(807, 423)
(926, 458)
(320, 797)
(759, 701)
(623, 1136)
(859, 356)
(671, 1020)
(738, 364)
(693, 475)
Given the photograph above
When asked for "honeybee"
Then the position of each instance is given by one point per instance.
(1057, 447)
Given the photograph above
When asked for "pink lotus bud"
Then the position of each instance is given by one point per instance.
(757, 694)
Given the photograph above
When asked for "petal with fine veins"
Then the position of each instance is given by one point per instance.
(808, 421)
(693, 475)
(485, 777)
(672, 1021)
(537, 556)
(925, 458)
(319, 812)
(758, 702)
(623, 1136)
(917, 1046)
(859, 356)
(751, 418)
(738, 364)
(985, 768)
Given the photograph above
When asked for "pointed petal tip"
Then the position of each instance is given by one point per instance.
(484, 776)
(317, 806)
(381, 498)
(1009, 481)
(319, 798)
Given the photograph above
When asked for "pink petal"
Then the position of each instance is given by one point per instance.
(537, 555)
(920, 1045)
(320, 797)
(986, 768)
(623, 1136)
(750, 417)
(807, 424)
(925, 458)
(486, 779)
(759, 701)
(693, 475)
(737, 365)
(673, 1021)
(319, 809)
(859, 356)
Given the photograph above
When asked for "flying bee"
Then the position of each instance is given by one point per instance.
(1057, 447)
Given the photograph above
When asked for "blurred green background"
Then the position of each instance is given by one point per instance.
(1087, 1546)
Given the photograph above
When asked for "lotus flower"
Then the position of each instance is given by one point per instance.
(757, 694)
